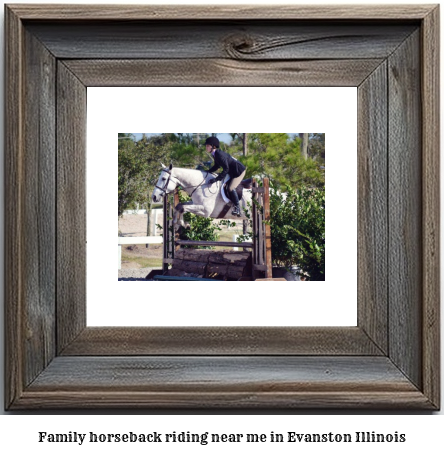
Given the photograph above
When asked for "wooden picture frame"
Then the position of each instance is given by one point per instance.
(390, 360)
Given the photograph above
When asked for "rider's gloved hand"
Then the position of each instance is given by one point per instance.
(211, 181)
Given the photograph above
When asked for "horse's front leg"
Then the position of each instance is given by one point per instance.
(195, 209)
(178, 220)
(180, 209)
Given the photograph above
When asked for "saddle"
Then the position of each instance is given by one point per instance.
(245, 184)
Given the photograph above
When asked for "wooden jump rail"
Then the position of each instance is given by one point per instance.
(216, 244)
(261, 229)
(260, 245)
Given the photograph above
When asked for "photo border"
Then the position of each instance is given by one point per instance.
(390, 360)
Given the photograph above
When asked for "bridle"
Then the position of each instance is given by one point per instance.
(165, 187)
(176, 181)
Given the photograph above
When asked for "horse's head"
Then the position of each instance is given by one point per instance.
(166, 184)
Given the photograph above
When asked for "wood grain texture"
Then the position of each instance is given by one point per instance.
(197, 72)
(245, 401)
(233, 382)
(30, 196)
(208, 373)
(216, 12)
(13, 207)
(39, 235)
(258, 40)
(372, 207)
(106, 341)
(430, 93)
(405, 209)
(71, 206)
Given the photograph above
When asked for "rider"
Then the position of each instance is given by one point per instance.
(230, 166)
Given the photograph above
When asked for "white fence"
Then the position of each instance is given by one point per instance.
(135, 212)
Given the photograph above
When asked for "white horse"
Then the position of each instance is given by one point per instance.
(206, 200)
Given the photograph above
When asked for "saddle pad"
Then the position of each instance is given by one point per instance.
(222, 189)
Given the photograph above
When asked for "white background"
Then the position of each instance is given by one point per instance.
(19, 433)
(270, 110)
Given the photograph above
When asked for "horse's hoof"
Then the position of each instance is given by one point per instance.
(187, 226)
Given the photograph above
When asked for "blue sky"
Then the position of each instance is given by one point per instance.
(224, 137)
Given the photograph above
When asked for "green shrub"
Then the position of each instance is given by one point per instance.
(201, 229)
(297, 220)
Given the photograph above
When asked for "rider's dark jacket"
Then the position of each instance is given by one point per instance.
(228, 164)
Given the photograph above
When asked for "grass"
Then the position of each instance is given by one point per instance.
(142, 257)
(143, 262)
(226, 237)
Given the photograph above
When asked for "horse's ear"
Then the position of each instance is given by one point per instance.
(163, 166)
(171, 166)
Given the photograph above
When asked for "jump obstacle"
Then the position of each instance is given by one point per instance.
(238, 265)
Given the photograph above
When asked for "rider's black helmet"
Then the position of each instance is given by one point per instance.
(212, 141)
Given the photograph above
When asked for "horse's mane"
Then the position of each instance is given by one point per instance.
(185, 169)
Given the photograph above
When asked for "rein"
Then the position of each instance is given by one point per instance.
(200, 185)
(178, 183)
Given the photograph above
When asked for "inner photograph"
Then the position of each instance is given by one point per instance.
(221, 206)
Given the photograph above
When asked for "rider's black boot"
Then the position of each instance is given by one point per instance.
(235, 199)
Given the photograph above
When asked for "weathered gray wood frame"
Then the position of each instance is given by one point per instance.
(390, 360)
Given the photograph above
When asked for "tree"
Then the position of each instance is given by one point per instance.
(125, 138)
(244, 138)
(138, 167)
(316, 147)
(187, 151)
(278, 156)
(304, 145)
(245, 144)
(130, 178)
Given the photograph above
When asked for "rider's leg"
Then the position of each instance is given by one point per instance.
(233, 184)
(236, 207)
(233, 194)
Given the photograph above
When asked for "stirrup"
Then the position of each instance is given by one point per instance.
(236, 211)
